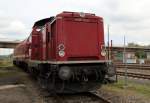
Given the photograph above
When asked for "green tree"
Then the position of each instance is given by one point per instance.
(133, 45)
(140, 54)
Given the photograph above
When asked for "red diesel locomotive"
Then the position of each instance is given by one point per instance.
(66, 53)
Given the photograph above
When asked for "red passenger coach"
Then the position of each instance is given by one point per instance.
(66, 53)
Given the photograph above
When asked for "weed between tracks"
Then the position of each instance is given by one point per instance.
(134, 90)
(9, 71)
(6, 63)
(130, 94)
(7, 74)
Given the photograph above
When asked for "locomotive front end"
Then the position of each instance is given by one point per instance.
(80, 58)
(66, 53)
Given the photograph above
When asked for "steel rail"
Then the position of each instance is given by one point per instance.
(100, 97)
(135, 75)
(133, 66)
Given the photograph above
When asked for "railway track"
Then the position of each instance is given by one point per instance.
(137, 67)
(38, 95)
(101, 98)
(133, 66)
(135, 75)
(88, 97)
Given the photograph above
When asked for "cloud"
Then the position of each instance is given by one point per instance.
(11, 28)
(17, 27)
(125, 17)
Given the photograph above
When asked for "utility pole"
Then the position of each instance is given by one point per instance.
(111, 52)
(108, 41)
(125, 63)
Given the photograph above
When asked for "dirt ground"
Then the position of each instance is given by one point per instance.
(16, 95)
(29, 91)
(19, 94)
(136, 91)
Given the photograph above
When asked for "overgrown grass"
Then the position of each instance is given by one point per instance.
(6, 63)
(137, 88)
(7, 69)
(8, 74)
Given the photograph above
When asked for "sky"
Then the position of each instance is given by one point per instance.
(129, 18)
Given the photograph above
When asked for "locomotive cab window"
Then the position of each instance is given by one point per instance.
(51, 30)
(52, 27)
(48, 36)
(30, 38)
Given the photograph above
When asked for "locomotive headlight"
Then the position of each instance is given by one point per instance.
(64, 73)
(103, 53)
(82, 14)
(61, 47)
(61, 53)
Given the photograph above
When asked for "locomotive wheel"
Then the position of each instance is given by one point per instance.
(49, 80)
(14, 63)
(34, 72)
(41, 77)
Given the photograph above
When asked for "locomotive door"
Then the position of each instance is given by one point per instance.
(51, 41)
(44, 56)
(34, 47)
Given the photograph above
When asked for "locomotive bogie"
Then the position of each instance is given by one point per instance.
(78, 76)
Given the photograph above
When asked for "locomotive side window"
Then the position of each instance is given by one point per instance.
(44, 33)
(30, 38)
(48, 36)
(53, 29)
(50, 30)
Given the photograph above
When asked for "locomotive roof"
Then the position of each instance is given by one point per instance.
(42, 22)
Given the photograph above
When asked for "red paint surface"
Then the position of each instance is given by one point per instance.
(81, 36)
